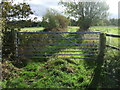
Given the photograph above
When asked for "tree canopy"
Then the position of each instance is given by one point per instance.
(10, 13)
(86, 13)
(14, 12)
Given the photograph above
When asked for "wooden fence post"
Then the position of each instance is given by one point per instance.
(100, 59)
(101, 54)
(16, 44)
(12, 44)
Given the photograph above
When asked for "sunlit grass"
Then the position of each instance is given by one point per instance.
(72, 28)
(32, 29)
(105, 29)
(109, 30)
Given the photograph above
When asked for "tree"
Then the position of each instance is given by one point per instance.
(14, 12)
(62, 20)
(52, 19)
(86, 13)
(73, 22)
(102, 22)
(11, 13)
(49, 19)
(113, 21)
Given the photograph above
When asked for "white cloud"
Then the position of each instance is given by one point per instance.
(44, 4)
(50, 2)
(40, 6)
(113, 4)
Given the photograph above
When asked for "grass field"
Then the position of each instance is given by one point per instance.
(32, 29)
(103, 29)
(109, 30)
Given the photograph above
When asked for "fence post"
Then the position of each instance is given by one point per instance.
(100, 59)
(12, 45)
(101, 54)
(16, 44)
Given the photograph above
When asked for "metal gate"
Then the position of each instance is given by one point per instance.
(80, 45)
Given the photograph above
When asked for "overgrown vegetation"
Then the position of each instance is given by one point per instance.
(12, 12)
(110, 76)
(77, 73)
(53, 21)
(55, 73)
(62, 70)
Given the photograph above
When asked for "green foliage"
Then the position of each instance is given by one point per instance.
(12, 12)
(73, 22)
(49, 20)
(103, 22)
(87, 13)
(111, 69)
(114, 22)
(107, 22)
(52, 19)
(63, 21)
(50, 75)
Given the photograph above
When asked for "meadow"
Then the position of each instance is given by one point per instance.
(63, 73)
(109, 30)
(103, 29)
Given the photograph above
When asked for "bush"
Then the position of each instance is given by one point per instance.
(53, 19)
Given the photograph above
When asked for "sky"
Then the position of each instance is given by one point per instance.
(113, 8)
(39, 7)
